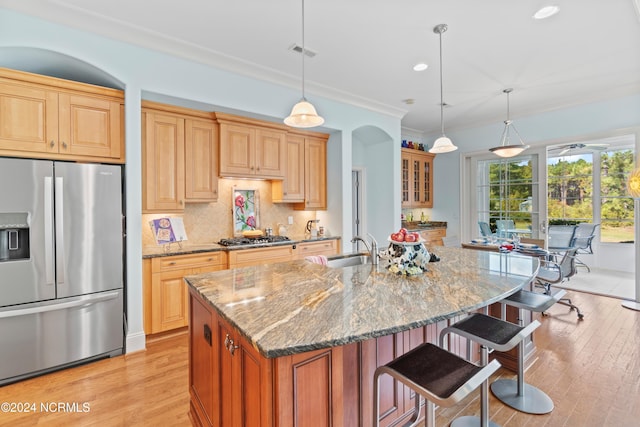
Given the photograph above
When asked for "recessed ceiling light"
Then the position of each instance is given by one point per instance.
(420, 67)
(546, 12)
(409, 101)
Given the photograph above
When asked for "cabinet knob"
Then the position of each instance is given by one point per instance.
(64, 144)
(172, 263)
(180, 202)
(52, 144)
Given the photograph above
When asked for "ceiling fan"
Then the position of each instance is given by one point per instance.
(576, 146)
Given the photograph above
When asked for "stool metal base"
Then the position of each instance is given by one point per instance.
(532, 400)
(471, 421)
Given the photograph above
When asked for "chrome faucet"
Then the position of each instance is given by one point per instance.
(373, 248)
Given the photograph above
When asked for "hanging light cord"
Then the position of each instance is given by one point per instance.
(440, 31)
(303, 50)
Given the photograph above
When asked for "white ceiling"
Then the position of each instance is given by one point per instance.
(366, 49)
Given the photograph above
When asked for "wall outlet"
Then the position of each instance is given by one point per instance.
(290, 220)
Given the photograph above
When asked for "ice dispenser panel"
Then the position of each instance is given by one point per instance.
(14, 236)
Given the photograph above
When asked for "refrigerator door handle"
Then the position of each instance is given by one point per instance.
(48, 230)
(48, 306)
(60, 256)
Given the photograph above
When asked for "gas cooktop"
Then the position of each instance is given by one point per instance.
(238, 241)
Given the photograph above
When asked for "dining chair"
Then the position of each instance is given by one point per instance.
(582, 238)
(503, 225)
(485, 229)
(560, 237)
(554, 271)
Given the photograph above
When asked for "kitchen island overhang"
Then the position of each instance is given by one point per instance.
(273, 319)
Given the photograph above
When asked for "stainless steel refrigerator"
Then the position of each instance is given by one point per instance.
(61, 265)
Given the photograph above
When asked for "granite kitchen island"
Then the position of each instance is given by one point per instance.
(296, 343)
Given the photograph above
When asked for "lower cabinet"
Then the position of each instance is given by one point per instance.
(166, 303)
(257, 256)
(322, 247)
(434, 236)
(232, 385)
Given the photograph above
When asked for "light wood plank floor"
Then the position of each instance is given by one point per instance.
(591, 369)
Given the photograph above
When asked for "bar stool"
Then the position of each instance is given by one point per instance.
(439, 376)
(516, 393)
(490, 333)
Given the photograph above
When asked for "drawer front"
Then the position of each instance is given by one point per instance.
(247, 257)
(189, 261)
(325, 247)
(438, 233)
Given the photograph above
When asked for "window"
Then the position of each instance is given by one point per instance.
(616, 207)
(570, 189)
(588, 184)
(505, 190)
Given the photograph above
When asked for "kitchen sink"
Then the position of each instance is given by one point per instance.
(348, 260)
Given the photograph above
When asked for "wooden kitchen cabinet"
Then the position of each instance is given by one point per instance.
(416, 179)
(251, 148)
(232, 385)
(179, 158)
(291, 188)
(228, 377)
(315, 175)
(322, 247)
(433, 237)
(46, 117)
(257, 256)
(166, 294)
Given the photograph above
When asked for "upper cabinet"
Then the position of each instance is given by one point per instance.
(179, 157)
(45, 117)
(305, 180)
(417, 178)
(251, 148)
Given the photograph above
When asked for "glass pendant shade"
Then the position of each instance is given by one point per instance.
(506, 149)
(633, 185)
(303, 115)
(442, 145)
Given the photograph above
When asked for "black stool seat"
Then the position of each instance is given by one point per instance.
(441, 377)
(491, 332)
(533, 301)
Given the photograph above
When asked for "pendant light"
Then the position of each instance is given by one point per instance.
(442, 144)
(303, 114)
(506, 149)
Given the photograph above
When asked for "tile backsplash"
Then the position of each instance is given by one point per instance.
(210, 222)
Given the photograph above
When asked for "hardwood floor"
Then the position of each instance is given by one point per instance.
(590, 368)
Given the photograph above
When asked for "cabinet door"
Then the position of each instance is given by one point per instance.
(315, 174)
(169, 301)
(270, 154)
(162, 162)
(291, 188)
(245, 379)
(424, 164)
(203, 357)
(28, 118)
(377, 352)
(236, 150)
(405, 180)
(201, 160)
(89, 126)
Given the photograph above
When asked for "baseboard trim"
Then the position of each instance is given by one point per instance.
(135, 342)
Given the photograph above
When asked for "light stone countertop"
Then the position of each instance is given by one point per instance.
(293, 307)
